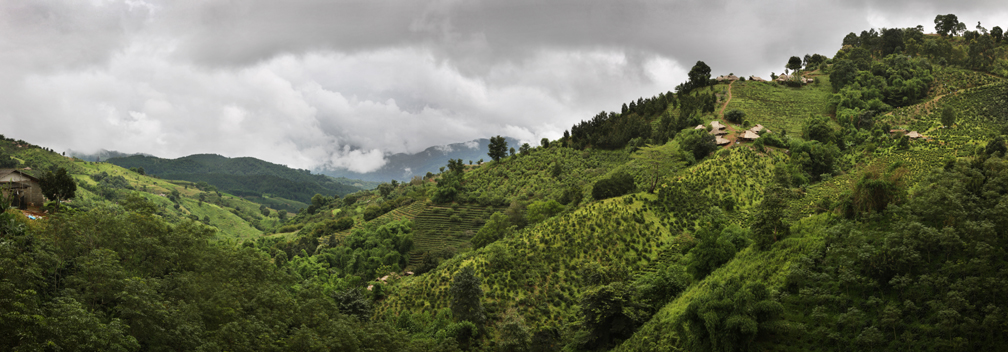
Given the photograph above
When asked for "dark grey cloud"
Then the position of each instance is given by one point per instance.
(338, 84)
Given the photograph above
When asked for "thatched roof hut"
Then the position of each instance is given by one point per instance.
(914, 135)
(757, 79)
(717, 128)
(721, 141)
(749, 135)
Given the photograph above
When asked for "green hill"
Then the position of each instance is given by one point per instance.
(246, 177)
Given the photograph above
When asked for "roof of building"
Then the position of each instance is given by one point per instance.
(699, 127)
(756, 78)
(914, 134)
(5, 172)
(721, 141)
(750, 135)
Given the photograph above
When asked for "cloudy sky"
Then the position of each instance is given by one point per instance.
(339, 84)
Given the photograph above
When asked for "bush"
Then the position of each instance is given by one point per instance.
(734, 116)
(698, 142)
(617, 185)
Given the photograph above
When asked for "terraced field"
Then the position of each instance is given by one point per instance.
(440, 227)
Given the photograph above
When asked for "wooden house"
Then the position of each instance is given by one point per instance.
(21, 189)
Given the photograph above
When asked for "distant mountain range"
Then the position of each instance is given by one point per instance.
(404, 166)
(101, 154)
(250, 176)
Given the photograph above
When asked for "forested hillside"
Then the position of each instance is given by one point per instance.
(242, 176)
(857, 202)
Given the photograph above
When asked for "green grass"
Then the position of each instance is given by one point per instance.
(779, 107)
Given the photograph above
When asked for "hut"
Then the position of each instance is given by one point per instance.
(758, 128)
(699, 127)
(914, 135)
(749, 135)
(757, 79)
(721, 141)
(717, 128)
(20, 188)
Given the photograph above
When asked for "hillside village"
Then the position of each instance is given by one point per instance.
(856, 202)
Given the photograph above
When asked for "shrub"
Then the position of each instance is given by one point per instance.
(734, 116)
(617, 185)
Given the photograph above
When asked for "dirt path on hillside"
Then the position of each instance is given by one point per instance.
(732, 134)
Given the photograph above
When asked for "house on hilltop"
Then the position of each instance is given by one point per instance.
(757, 79)
(20, 188)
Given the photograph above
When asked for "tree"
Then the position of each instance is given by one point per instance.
(997, 33)
(715, 247)
(609, 315)
(852, 40)
(542, 210)
(945, 24)
(734, 116)
(466, 295)
(817, 128)
(948, 117)
(512, 151)
(514, 334)
(496, 228)
(524, 149)
(996, 145)
(6, 161)
(731, 317)
(980, 52)
(697, 142)
(354, 302)
(58, 185)
(660, 160)
(384, 189)
(498, 148)
(544, 142)
(794, 63)
(456, 166)
(617, 185)
(768, 221)
(699, 75)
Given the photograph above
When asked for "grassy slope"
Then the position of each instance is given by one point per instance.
(230, 225)
(778, 107)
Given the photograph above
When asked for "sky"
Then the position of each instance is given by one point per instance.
(341, 84)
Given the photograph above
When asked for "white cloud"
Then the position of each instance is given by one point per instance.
(342, 84)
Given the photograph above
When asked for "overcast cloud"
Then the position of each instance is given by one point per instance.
(339, 84)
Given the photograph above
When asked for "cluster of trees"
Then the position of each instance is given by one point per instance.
(922, 273)
(111, 279)
(862, 84)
